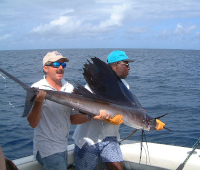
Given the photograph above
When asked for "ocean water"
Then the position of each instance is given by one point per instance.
(164, 81)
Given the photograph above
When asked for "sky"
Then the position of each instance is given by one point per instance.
(65, 24)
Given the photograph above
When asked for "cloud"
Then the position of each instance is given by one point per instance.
(62, 25)
(75, 24)
(98, 21)
(103, 17)
(180, 30)
(190, 28)
(164, 34)
(198, 35)
(4, 37)
(137, 30)
(117, 15)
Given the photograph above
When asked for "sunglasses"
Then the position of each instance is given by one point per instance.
(56, 64)
(126, 64)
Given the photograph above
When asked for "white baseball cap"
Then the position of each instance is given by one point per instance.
(53, 56)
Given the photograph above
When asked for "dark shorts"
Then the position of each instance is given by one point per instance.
(87, 157)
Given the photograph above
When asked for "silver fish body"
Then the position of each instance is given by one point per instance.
(132, 117)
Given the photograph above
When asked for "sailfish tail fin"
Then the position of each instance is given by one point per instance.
(31, 92)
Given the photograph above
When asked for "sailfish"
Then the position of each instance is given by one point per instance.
(108, 93)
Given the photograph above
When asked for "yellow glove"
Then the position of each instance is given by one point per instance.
(116, 120)
(160, 125)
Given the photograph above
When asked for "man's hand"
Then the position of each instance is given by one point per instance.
(40, 96)
(116, 120)
(102, 115)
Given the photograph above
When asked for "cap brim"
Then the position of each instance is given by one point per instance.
(128, 60)
(58, 58)
(66, 59)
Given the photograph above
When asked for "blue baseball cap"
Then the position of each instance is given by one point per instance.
(116, 56)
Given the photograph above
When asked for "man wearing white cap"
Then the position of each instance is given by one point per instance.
(51, 120)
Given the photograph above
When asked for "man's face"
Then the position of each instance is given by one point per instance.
(55, 73)
(122, 69)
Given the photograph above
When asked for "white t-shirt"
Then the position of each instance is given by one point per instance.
(51, 134)
(95, 131)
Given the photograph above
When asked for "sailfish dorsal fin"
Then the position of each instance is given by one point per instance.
(106, 85)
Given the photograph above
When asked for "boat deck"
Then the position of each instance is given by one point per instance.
(156, 157)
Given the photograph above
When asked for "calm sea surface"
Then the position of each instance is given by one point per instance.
(165, 81)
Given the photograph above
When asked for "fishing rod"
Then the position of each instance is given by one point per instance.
(181, 166)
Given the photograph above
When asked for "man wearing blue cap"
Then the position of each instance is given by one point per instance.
(119, 62)
(98, 138)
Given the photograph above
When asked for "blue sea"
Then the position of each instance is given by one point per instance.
(164, 81)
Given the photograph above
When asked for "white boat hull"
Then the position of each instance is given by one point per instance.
(156, 156)
(160, 156)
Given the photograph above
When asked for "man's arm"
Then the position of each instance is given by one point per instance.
(83, 118)
(35, 113)
(79, 119)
